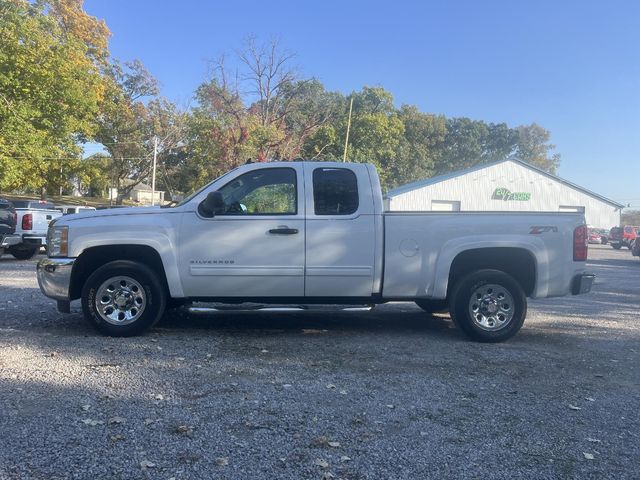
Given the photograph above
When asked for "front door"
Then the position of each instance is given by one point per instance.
(255, 248)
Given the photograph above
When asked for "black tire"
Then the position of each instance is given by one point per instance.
(23, 252)
(154, 294)
(617, 246)
(433, 306)
(460, 305)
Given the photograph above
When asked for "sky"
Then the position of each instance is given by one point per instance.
(571, 66)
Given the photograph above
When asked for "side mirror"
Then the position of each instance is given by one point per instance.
(212, 205)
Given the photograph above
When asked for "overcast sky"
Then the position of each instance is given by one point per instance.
(571, 66)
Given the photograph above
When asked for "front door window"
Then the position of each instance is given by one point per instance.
(268, 191)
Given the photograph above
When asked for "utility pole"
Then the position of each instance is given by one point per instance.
(153, 175)
(346, 140)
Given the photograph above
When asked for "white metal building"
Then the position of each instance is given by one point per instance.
(510, 185)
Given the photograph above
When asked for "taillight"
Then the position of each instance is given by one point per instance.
(580, 243)
(27, 221)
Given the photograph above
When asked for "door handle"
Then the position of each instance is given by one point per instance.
(283, 231)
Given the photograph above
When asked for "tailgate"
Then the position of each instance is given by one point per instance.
(41, 220)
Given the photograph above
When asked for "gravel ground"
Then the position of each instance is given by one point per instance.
(391, 393)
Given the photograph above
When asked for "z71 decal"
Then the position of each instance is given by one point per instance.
(539, 230)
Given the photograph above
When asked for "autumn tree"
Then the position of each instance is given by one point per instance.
(50, 92)
(259, 108)
(132, 117)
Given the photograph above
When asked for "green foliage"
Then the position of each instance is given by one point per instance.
(50, 92)
(533, 147)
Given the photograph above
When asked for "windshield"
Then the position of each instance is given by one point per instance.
(189, 197)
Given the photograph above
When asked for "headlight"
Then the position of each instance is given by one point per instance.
(58, 241)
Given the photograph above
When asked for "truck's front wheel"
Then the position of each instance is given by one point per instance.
(488, 305)
(123, 298)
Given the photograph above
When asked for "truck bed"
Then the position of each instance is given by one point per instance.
(420, 247)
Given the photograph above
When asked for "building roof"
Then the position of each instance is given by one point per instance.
(441, 178)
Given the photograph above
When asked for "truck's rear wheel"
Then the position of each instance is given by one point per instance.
(123, 298)
(488, 305)
(617, 246)
(24, 252)
(433, 306)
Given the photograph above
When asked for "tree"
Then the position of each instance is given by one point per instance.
(50, 92)
(128, 125)
(418, 151)
(472, 142)
(262, 110)
(533, 147)
(74, 21)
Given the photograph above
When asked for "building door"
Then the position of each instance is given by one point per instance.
(445, 205)
(571, 208)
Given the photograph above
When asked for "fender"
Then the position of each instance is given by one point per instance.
(437, 285)
(155, 230)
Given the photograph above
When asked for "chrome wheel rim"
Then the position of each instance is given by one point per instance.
(491, 307)
(120, 300)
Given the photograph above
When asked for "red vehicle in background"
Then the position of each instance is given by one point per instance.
(623, 236)
(594, 236)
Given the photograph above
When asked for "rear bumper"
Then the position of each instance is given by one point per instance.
(34, 239)
(582, 283)
(7, 241)
(54, 277)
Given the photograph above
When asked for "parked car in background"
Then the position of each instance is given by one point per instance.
(71, 209)
(604, 236)
(635, 248)
(623, 236)
(594, 236)
(33, 218)
(8, 218)
(311, 233)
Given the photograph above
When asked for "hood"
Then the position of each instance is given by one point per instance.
(112, 212)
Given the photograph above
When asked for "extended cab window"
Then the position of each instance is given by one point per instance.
(335, 191)
(268, 191)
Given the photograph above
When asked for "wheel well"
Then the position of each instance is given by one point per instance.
(517, 262)
(94, 257)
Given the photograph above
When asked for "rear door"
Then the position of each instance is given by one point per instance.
(340, 231)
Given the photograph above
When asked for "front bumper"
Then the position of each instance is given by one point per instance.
(582, 283)
(7, 241)
(54, 278)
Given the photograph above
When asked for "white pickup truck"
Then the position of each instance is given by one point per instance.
(310, 233)
(33, 218)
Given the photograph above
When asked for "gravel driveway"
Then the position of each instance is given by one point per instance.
(391, 393)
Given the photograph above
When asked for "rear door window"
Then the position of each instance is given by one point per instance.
(335, 191)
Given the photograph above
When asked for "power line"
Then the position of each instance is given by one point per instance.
(146, 157)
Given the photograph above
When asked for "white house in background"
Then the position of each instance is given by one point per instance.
(141, 194)
(507, 185)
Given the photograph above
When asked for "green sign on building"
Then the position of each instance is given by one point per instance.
(502, 193)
